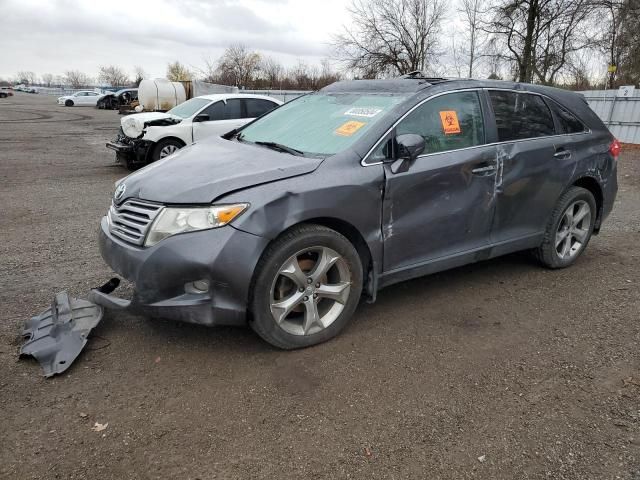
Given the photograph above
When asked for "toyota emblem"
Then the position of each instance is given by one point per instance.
(119, 193)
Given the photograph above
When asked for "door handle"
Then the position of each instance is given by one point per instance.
(484, 170)
(562, 154)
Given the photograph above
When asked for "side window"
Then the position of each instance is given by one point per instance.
(520, 115)
(447, 122)
(215, 111)
(382, 153)
(256, 107)
(233, 109)
(568, 122)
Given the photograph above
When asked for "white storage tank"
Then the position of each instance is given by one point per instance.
(160, 94)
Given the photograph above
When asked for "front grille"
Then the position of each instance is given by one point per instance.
(131, 220)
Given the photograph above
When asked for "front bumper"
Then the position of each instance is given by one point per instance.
(226, 257)
(131, 150)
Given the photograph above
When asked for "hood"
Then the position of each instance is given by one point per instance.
(133, 125)
(205, 171)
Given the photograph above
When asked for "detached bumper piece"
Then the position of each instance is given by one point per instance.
(57, 336)
(131, 152)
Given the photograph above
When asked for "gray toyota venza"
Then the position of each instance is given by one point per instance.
(286, 223)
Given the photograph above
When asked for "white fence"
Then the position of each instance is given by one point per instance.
(619, 112)
(282, 95)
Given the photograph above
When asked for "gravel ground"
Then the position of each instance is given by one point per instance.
(498, 370)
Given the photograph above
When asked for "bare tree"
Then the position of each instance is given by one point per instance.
(621, 41)
(176, 72)
(113, 76)
(209, 72)
(390, 36)
(27, 78)
(328, 74)
(47, 79)
(239, 65)
(76, 79)
(472, 12)
(139, 75)
(304, 76)
(272, 71)
(540, 35)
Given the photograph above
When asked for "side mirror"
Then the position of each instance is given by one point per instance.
(410, 146)
(201, 117)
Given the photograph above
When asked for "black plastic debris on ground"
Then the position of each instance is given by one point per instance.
(58, 335)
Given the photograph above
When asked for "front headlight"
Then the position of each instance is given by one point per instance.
(174, 220)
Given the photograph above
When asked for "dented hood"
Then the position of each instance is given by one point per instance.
(133, 125)
(205, 171)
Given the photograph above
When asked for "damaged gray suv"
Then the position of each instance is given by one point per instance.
(287, 222)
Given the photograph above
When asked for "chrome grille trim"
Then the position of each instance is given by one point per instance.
(131, 220)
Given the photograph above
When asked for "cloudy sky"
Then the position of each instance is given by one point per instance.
(51, 36)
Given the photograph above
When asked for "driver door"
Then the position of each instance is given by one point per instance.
(224, 116)
(440, 208)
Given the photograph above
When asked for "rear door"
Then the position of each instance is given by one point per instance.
(536, 163)
(256, 107)
(443, 204)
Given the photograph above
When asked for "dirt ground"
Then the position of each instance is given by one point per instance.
(498, 370)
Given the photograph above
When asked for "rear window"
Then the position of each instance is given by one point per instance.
(520, 115)
(569, 123)
(257, 107)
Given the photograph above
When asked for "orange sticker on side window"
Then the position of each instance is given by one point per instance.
(449, 120)
(349, 128)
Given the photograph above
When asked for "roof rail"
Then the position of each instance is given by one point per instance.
(419, 75)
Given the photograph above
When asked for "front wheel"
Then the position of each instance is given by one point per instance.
(307, 286)
(569, 229)
(68, 103)
(164, 148)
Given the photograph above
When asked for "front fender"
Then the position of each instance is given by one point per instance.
(351, 195)
(181, 131)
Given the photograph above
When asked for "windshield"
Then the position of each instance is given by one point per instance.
(321, 124)
(188, 108)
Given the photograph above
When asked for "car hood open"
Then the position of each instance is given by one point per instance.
(133, 125)
(205, 171)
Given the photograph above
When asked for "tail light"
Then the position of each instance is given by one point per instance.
(614, 148)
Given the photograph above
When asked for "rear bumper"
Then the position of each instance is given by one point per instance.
(226, 257)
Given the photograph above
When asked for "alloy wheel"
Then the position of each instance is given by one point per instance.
(573, 230)
(310, 291)
(168, 150)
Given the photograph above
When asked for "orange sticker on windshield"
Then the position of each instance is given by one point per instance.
(449, 120)
(349, 128)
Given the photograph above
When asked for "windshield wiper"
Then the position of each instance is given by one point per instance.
(281, 148)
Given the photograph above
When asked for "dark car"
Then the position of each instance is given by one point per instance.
(288, 221)
(117, 99)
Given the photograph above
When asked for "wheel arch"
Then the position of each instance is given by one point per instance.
(354, 236)
(592, 185)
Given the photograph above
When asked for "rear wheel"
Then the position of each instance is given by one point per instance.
(164, 148)
(68, 103)
(307, 286)
(569, 229)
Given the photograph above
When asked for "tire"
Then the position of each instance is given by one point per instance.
(68, 103)
(165, 148)
(275, 294)
(564, 238)
(3, 95)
